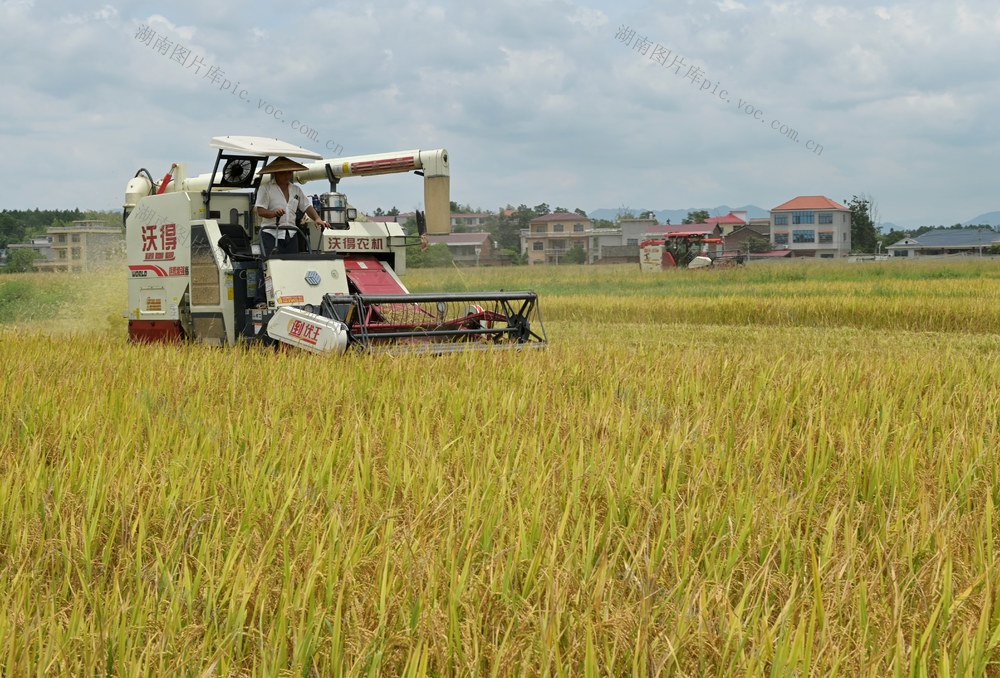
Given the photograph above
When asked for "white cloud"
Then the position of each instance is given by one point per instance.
(730, 5)
(531, 97)
(590, 19)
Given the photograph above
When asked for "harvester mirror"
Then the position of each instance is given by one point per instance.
(421, 223)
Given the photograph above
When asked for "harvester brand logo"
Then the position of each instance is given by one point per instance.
(312, 277)
(143, 271)
(159, 245)
(294, 299)
(355, 244)
(302, 330)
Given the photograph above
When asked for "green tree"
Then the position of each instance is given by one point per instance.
(580, 212)
(435, 256)
(505, 230)
(624, 212)
(542, 209)
(21, 260)
(994, 249)
(604, 223)
(648, 214)
(758, 245)
(696, 217)
(10, 230)
(576, 255)
(891, 238)
(516, 258)
(863, 214)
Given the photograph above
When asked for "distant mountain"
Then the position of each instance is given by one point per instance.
(991, 218)
(677, 216)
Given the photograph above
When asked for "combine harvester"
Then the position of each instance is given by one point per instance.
(672, 250)
(194, 263)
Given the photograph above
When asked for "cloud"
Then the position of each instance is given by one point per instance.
(730, 5)
(535, 99)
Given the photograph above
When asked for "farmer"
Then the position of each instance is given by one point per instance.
(277, 204)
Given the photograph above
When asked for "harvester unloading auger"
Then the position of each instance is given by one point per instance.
(194, 263)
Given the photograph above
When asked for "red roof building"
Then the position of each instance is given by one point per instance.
(812, 226)
(706, 228)
(810, 202)
(729, 223)
(463, 248)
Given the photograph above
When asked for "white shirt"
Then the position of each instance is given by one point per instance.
(270, 197)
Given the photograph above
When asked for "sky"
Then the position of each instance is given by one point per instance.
(576, 104)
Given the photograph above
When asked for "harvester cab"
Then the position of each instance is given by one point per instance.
(194, 262)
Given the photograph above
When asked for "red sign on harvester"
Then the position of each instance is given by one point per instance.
(159, 245)
(307, 332)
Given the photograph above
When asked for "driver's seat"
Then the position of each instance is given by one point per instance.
(235, 242)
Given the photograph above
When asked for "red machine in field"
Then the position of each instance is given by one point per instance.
(688, 248)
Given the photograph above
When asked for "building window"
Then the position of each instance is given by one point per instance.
(632, 242)
(538, 246)
(578, 243)
(803, 236)
(803, 217)
(780, 219)
(578, 228)
(62, 237)
(62, 254)
(538, 228)
(826, 256)
(781, 238)
(826, 218)
(76, 237)
(557, 228)
(76, 252)
(826, 237)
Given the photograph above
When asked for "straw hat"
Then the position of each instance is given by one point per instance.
(282, 164)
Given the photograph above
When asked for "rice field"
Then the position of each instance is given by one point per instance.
(782, 470)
